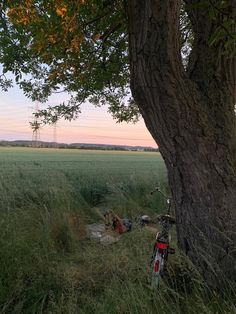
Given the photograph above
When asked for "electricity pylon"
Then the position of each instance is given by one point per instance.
(35, 125)
(55, 134)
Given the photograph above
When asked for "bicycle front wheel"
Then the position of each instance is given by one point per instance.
(157, 269)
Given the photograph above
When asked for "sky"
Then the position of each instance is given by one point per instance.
(94, 125)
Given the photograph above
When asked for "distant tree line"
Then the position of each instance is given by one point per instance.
(42, 144)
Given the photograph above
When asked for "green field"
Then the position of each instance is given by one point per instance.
(68, 176)
(47, 196)
(82, 162)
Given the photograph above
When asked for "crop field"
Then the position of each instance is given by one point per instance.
(47, 196)
(77, 175)
(81, 162)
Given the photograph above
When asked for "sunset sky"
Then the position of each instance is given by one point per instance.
(94, 125)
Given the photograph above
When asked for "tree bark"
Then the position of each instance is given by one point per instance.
(191, 116)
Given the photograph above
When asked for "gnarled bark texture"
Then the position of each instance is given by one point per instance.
(190, 114)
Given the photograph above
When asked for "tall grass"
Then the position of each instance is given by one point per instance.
(35, 238)
(49, 266)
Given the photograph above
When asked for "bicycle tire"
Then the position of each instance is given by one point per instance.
(158, 266)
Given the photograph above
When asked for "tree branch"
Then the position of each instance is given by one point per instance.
(209, 65)
(110, 31)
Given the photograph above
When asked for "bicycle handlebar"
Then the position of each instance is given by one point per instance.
(157, 189)
(168, 200)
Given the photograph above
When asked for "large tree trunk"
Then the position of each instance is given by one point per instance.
(191, 116)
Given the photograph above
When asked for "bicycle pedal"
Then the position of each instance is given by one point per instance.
(171, 250)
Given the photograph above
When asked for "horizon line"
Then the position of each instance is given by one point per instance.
(79, 143)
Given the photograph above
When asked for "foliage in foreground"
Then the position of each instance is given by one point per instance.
(43, 275)
(47, 270)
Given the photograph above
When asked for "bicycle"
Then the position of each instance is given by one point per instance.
(162, 247)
